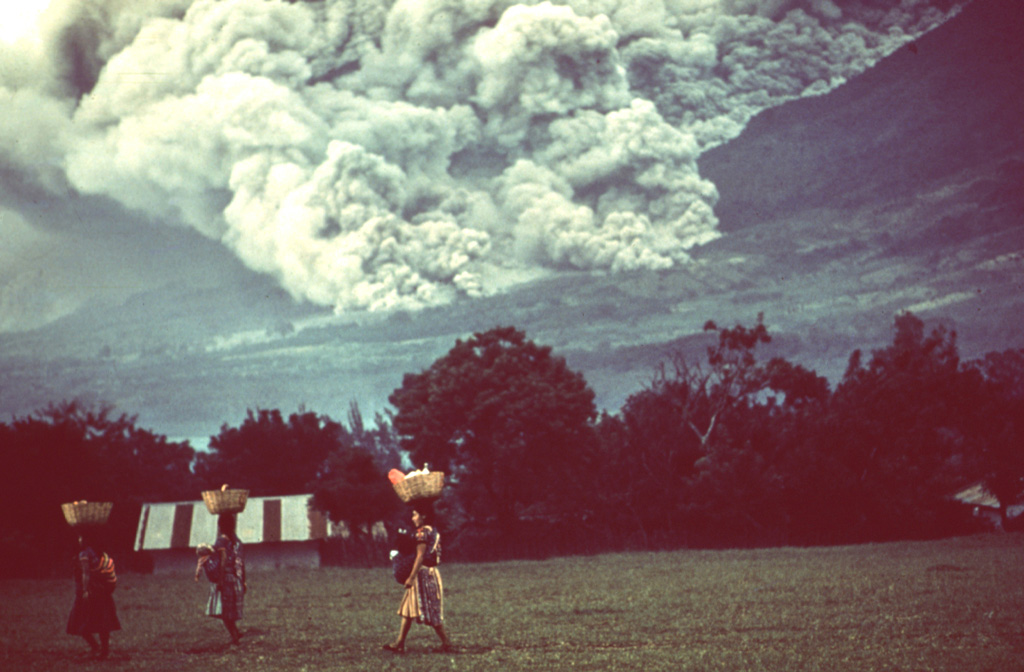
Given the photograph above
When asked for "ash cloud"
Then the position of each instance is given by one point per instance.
(377, 155)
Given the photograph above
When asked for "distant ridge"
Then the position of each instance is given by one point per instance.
(952, 101)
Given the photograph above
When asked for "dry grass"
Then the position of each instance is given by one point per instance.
(949, 605)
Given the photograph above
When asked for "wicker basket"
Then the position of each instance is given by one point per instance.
(225, 500)
(86, 513)
(420, 486)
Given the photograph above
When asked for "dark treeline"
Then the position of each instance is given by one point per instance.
(725, 450)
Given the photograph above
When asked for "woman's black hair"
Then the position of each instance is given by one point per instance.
(226, 525)
(89, 536)
(425, 507)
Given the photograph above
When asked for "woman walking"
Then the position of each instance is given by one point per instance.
(227, 596)
(423, 601)
(93, 612)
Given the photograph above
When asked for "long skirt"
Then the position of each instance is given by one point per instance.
(227, 599)
(93, 615)
(424, 602)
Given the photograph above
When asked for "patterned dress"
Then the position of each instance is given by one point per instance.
(227, 596)
(96, 613)
(424, 602)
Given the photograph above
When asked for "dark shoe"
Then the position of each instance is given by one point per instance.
(393, 649)
(444, 648)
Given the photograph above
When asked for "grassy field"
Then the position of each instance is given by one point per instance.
(953, 605)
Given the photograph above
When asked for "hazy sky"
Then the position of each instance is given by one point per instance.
(374, 154)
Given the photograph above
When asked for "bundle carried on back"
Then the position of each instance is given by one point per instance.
(104, 572)
(208, 562)
(403, 555)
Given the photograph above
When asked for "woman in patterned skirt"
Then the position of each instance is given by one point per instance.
(227, 597)
(93, 612)
(423, 601)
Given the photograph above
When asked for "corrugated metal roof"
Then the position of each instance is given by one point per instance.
(167, 525)
(977, 495)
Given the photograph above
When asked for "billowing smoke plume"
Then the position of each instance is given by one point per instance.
(375, 154)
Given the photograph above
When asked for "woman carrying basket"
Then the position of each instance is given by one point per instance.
(93, 612)
(423, 601)
(227, 596)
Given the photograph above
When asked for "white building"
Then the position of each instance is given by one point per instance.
(986, 505)
(275, 532)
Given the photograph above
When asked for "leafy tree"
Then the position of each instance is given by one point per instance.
(700, 451)
(268, 454)
(736, 496)
(999, 426)
(351, 485)
(666, 426)
(506, 419)
(734, 371)
(73, 451)
(798, 386)
(896, 427)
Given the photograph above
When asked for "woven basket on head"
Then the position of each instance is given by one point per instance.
(86, 513)
(225, 500)
(420, 486)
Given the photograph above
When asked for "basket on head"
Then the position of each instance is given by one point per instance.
(86, 513)
(420, 486)
(225, 500)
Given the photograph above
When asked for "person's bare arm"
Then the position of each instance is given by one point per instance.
(421, 552)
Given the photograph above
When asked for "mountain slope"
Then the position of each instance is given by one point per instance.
(952, 101)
